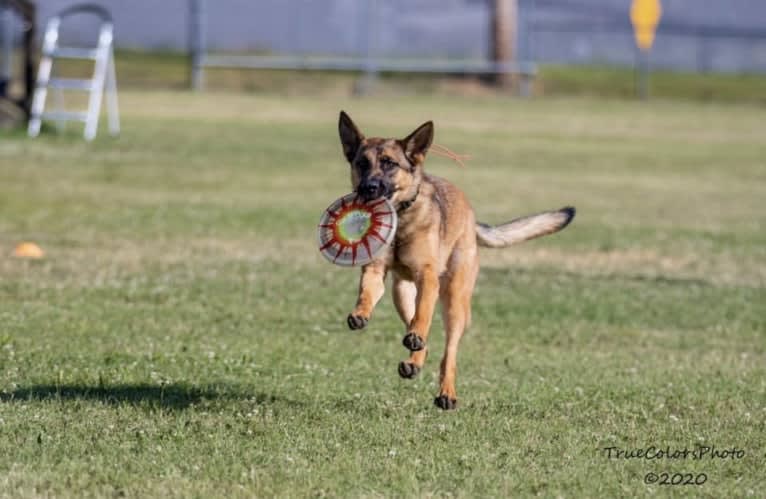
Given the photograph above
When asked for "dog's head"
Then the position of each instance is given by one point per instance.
(391, 168)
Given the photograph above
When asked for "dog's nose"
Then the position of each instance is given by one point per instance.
(370, 188)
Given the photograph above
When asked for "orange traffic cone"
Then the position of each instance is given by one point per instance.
(28, 250)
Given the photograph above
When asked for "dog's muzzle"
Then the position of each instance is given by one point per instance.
(372, 188)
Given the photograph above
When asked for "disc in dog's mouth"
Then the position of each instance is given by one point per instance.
(355, 232)
(387, 193)
(354, 224)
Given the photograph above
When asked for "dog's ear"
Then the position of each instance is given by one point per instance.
(417, 143)
(350, 136)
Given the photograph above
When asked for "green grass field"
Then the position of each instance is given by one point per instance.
(184, 338)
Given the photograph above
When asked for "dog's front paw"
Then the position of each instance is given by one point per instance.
(356, 321)
(445, 402)
(408, 370)
(413, 342)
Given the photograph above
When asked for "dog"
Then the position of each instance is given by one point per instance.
(434, 255)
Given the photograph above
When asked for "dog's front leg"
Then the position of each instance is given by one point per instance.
(371, 287)
(427, 283)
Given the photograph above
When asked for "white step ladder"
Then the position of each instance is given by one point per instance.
(104, 79)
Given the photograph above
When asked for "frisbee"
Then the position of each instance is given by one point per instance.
(352, 232)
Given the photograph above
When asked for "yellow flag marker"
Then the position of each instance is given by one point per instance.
(28, 250)
(645, 16)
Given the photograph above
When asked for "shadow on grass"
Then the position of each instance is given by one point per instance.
(174, 396)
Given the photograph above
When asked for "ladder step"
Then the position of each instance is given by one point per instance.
(71, 84)
(74, 53)
(64, 116)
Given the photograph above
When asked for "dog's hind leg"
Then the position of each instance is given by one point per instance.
(405, 295)
(371, 288)
(455, 298)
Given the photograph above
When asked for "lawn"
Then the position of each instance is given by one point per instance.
(183, 336)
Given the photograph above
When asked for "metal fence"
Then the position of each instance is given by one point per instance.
(452, 36)
(369, 36)
(433, 35)
(721, 36)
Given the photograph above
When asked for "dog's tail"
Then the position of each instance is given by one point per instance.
(524, 228)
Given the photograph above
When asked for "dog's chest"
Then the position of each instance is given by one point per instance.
(413, 249)
(404, 250)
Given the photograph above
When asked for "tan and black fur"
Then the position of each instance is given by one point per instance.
(434, 255)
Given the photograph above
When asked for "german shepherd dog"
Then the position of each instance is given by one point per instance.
(434, 253)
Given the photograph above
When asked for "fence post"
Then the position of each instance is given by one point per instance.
(197, 43)
(30, 36)
(642, 74)
(503, 31)
(524, 44)
(6, 31)
(368, 26)
(704, 64)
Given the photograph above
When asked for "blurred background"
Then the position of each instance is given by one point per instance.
(708, 35)
(702, 49)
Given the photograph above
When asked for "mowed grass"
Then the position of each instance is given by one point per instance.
(184, 338)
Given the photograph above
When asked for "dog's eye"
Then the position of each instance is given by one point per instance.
(363, 164)
(388, 164)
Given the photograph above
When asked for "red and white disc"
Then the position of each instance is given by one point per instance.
(352, 232)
